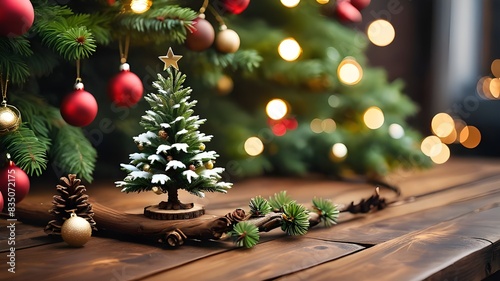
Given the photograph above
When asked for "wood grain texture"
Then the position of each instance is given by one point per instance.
(268, 260)
(459, 249)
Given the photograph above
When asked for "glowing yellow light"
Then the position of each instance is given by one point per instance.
(483, 88)
(328, 125)
(316, 125)
(140, 6)
(459, 126)
(396, 131)
(333, 101)
(443, 155)
(322, 2)
(431, 146)
(290, 3)
(381, 33)
(253, 146)
(339, 150)
(276, 109)
(289, 49)
(470, 137)
(349, 71)
(451, 138)
(442, 125)
(495, 68)
(495, 88)
(373, 117)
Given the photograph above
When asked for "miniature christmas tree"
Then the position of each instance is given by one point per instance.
(172, 151)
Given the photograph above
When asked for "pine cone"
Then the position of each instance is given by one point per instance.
(236, 216)
(71, 198)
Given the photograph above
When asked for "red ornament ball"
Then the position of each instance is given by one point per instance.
(79, 108)
(16, 17)
(1, 201)
(14, 183)
(202, 37)
(360, 4)
(125, 88)
(346, 12)
(235, 6)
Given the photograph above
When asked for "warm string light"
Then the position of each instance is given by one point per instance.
(373, 118)
(276, 109)
(349, 71)
(290, 3)
(381, 33)
(253, 146)
(339, 151)
(289, 49)
(140, 6)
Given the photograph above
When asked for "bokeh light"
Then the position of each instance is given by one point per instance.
(328, 125)
(381, 32)
(442, 125)
(276, 109)
(483, 88)
(140, 6)
(396, 131)
(495, 68)
(316, 125)
(339, 150)
(470, 137)
(279, 129)
(443, 155)
(334, 101)
(289, 49)
(290, 3)
(322, 2)
(431, 146)
(373, 117)
(495, 88)
(253, 146)
(349, 71)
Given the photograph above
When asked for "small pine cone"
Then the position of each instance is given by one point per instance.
(71, 198)
(236, 216)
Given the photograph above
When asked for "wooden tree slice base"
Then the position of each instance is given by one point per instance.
(153, 212)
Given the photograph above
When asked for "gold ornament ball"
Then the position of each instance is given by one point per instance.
(76, 231)
(146, 168)
(227, 41)
(10, 119)
(202, 147)
(162, 134)
(209, 164)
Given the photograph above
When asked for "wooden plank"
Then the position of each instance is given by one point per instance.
(459, 249)
(268, 260)
(106, 259)
(25, 235)
(372, 228)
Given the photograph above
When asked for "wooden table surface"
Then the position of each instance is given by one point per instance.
(444, 226)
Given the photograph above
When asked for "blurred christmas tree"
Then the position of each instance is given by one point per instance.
(323, 118)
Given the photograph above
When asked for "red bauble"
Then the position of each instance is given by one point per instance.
(16, 17)
(360, 4)
(235, 6)
(125, 89)
(347, 12)
(1, 201)
(14, 183)
(202, 37)
(79, 108)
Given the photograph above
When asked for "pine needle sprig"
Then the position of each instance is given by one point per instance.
(26, 150)
(245, 234)
(259, 206)
(295, 219)
(326, 210)
(279, 200)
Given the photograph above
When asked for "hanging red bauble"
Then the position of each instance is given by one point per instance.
(1, 201)
(202, 37)
(125, 89)
(346, 12)
(235, 6)
(227, 40)
(79, 108)
(14, 183)
(16, 17)
(360, 4)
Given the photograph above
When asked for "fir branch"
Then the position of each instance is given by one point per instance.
(13, 52)
(326, 210)
(279, 200)
(259, 206)
(245, 234)
(295, 219)
(73, 152)
(27, 151)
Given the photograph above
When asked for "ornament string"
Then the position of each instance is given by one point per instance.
(3, 88)
(124, 49)
(203, 8)
(78, 78)
(217, 16)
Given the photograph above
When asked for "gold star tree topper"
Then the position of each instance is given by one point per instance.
(170, 59)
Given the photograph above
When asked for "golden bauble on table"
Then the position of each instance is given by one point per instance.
(76, 231)
(10, 119)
